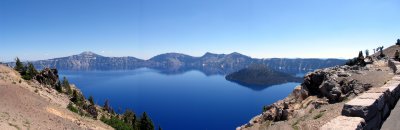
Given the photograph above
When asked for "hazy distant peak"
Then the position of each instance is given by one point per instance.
(235, 53)
(171, 54)
(210, 54)
(88, 53)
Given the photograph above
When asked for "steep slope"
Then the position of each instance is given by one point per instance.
(29, 105)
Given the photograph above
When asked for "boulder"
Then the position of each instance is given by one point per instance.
(48, 77)
(331, 90)
(300, 93)
(313, 80)
(343, 74)
(275, 112)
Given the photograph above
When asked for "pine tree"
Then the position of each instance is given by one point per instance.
(77, 98)
(130, 118)
(106, 105)
(398, 42)
(74, 96)
(381, 52)
(146, 123)
(360, 55)
(59, 87)
(19, 66)
(67, 86)
(30, 72)
(91, 100)
(366, 53)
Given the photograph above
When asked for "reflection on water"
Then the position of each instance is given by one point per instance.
(189, 100)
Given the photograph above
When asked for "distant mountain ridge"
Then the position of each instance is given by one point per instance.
(171, 63)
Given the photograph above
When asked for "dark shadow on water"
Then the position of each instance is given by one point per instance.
(260, 87)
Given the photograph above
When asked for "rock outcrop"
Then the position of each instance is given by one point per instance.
(48, 77)
(320, 87)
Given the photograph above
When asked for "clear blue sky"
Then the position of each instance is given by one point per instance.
(41, 29)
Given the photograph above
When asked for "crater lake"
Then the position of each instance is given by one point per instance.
(189, 100)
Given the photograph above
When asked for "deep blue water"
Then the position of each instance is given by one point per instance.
(185, 101)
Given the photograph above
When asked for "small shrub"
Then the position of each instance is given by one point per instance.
(72, 108)
(318, 116)
(265, 108)
(36, 90)
(310, 111)
(294, 125)
(91, 109)
(58, 87)
(15, 126)
(117, 124)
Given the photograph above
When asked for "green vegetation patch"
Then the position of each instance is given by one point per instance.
(117, 123)
(72, 108)
(319, 115)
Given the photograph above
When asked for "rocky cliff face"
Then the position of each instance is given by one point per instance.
(171, 63)
(90, 61)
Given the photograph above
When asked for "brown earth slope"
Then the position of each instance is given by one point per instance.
(29, 105)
